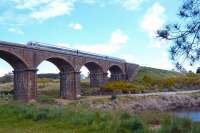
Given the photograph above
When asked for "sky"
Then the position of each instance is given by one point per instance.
(119, 28)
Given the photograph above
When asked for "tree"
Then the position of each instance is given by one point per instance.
(185, 34)
(6, 78)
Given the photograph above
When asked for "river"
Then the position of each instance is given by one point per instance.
(194, 115)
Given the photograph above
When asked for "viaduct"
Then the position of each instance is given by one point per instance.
(25, 58)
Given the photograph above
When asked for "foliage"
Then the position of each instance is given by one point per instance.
(176, 125)
(148, 83)
(23, 118)
(70, 119)
(156, 73)
(122, 86)
(185, 34)
(6, 78)
(49, 76)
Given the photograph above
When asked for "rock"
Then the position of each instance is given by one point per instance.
(158, 103)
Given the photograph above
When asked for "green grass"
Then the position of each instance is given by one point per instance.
(155, 73)
(19, 118)
(76, 118)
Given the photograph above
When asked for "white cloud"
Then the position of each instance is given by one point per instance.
(115, 43)
(153, 20)
(40, 10)
(131, 4)
(53, 9)
(44, 9)
(29, 4)
(118, 37)
(76, 26)
(16, 30)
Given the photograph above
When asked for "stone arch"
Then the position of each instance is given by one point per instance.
(93, 66)
(96, 74)
(61, 63)
(116, 72)
(67, 76)
(24, 80)
(14, 60)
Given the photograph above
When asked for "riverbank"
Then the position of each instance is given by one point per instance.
(141, 113)
(77, 118)
(164, 101)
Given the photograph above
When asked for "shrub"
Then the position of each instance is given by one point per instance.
(122, 86)
(6, 78)
(168, 82)
(178, 82)
(42, 114)
(134, 124)
(149, 80)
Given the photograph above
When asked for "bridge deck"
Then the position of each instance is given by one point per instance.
(63, 50)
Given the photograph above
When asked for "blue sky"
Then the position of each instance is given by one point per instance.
(121, 28)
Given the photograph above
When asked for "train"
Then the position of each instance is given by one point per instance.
(65, 50)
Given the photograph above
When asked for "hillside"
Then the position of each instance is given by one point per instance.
(156, 73)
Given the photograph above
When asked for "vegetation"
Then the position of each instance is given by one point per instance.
(123, 87)
(147, 80)
(156, 73)
(153, 83)
(185, 34)
(40, 118)
(46, 116)
(6, 78)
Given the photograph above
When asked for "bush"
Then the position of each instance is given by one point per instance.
(134, 124)
(149, 80)
(6, 78)
(122, 86)
(186, 81)
(42, 114)
(168, 83)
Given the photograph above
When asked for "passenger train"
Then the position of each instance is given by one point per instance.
(65, 50)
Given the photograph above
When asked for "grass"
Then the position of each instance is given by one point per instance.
(46, 116)
(46, 119)
(76, 118)
(155, 73)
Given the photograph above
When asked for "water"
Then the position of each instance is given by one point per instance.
(194, 115)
